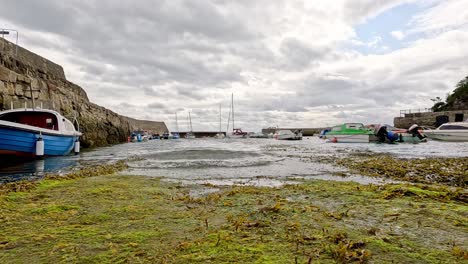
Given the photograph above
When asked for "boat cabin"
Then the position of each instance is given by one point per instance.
(38, 118)
(454, 126)
(348, 126)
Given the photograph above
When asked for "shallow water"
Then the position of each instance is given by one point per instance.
(259, 162)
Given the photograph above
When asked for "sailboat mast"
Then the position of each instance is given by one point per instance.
(176, 123)
(229, 119)
(232, 105)
(190, 118)
(219, 118)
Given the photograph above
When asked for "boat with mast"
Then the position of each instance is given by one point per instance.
(190, 134)
(220, 134)
(175, 135)
(236, 132)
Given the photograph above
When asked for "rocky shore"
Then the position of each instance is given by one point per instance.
(21, 70)
(94, 215)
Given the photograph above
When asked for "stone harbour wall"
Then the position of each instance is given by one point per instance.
(21, 70)
(430, 119)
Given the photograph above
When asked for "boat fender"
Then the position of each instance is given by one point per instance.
(40, 147)
(77, 146)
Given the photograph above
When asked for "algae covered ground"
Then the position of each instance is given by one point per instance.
(130, 219)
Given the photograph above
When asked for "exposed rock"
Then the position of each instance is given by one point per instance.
(24, 70)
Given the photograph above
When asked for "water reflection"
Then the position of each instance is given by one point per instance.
(21, 169)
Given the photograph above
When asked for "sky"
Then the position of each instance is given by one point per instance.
(288, 63)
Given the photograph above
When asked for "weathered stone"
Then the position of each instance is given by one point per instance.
(429, 119)
(19, 89)
(4, 74)
(99, 125)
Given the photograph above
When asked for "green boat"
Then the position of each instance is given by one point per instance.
(350, 133)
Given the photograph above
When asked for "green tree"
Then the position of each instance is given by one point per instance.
(456, 100)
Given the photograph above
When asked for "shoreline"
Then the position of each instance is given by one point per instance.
(95, 215)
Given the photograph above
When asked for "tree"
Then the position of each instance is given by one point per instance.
(457, 100)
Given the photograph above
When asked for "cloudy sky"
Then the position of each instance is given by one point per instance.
(288, 62)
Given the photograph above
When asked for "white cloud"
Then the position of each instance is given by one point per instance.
(289, 62)
(398, 34)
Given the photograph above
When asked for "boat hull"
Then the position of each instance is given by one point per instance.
(453, 135)
(237, 136)
(23, 143)
(357, 138)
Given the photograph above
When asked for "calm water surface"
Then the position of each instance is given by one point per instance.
(260, 162)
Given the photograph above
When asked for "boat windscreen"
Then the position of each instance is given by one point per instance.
(32, 118)
(453, 127)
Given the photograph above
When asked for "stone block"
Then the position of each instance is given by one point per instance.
(19, 89)
(4, 74)
(35, 84)
(13, 76)
(23, 78)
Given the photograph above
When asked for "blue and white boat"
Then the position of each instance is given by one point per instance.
(36, 132)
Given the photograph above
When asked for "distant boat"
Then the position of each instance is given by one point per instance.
(349, 133)
(190, 134)
(453, 131)
(139, 136)
(257, 135)
(175, 135)
(288, 135)
(36, 132)
(236, 132)
(220, 135)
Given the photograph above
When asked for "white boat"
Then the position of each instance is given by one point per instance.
(219, 135)
(190, 134)
(453, 131)
(288, 135)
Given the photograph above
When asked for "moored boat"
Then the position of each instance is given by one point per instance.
(288, 135)
(453, 131)
(349, 133)
(236, 132)
(36, 132)
(388, 133)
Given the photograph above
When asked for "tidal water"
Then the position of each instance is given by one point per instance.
(259, 162)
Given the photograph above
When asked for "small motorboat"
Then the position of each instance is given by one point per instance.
(350, 133)
(452, 131)
(37, 132)
(388, 133)
(257, 135)
(238, 133)
(219, 136)
(190, 135)
(288, 135)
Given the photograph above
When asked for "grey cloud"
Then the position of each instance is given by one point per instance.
(298, 55)
(156, 105)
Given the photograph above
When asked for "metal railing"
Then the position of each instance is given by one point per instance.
(415, 111)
